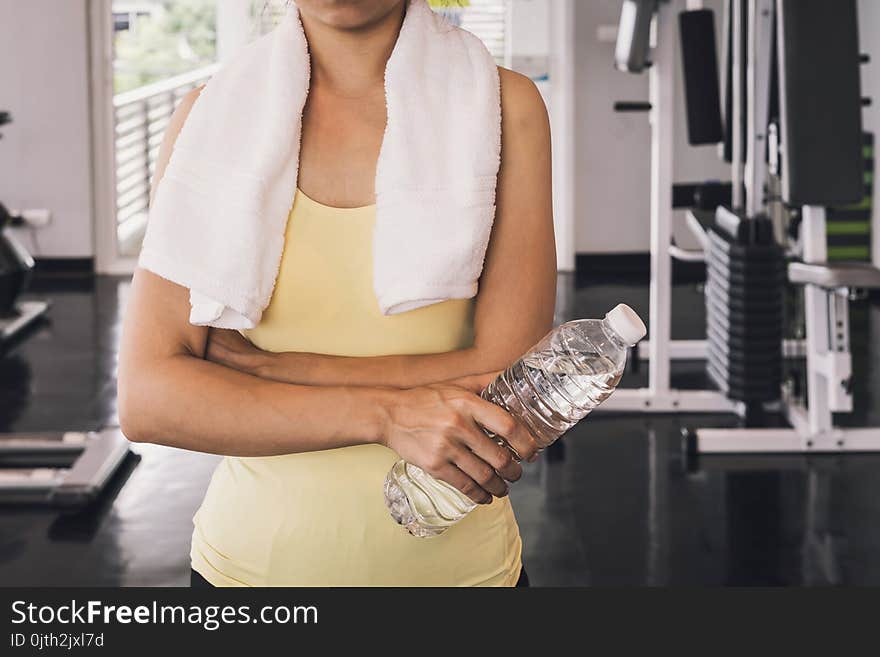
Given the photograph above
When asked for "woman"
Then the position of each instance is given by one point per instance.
(320, 399)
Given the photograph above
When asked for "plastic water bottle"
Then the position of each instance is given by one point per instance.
(572, 370)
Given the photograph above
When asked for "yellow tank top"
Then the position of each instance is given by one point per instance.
(319, 518)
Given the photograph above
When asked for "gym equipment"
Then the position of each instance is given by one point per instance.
(659, 396)
(821, 133)
(780, 134)
(702, 95)
(744, 289)
(59, 469)
(849, 226)
(632, 48)
(16, 265)
(819, 166)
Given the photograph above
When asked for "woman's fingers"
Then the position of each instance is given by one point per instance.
(490, 452)
(457, 478)
(483, 474)
(501, 423)
(441, 429)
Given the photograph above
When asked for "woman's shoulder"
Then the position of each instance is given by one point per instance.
(181, 112)
(522, 106)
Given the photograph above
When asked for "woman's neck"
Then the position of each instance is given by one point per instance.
(350, 62)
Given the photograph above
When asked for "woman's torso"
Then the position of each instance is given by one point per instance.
(319, 518)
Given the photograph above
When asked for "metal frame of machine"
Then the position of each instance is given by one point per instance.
(826, 287)
(659, 396)
(59, 469)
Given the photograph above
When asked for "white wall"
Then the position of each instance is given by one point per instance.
(612, 167)
(539, 44)
(45, 152)
(528, 36)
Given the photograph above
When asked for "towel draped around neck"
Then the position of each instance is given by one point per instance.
(219, 216)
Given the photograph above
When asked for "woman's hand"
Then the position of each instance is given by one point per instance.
(231, 349)
(437, 428)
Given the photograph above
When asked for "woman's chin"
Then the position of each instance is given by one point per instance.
(347, 14)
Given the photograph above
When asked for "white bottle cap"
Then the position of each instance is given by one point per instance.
(626, 323)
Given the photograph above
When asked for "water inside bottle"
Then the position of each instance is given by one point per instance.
(424, 505)
(548, 390)
(551, 391)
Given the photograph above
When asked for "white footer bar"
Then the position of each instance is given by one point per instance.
(698, 349)
(668, 401)
(780, 441)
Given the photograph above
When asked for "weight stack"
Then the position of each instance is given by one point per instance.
(745, 275)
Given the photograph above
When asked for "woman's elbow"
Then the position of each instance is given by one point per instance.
(134, 411)
(130, 423)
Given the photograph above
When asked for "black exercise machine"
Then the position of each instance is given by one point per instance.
(790, 124)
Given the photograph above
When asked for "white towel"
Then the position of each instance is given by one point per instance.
(218, 220)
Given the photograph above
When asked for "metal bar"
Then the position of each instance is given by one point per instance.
(697, 230)
(687, 255)
(91, 472)
(760, 35)
(27, 312)
(698, 349)
(736, 105)
(816, 312)
(192, 78)
(782, 441)
(71, 442)
(662, 94)
(677, 350)
(669, 401)
(748, 441)
(839, 356)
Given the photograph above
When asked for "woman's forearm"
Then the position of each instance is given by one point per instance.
(403, 371)
(184, 401)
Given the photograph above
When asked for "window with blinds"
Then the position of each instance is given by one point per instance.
(485, 18)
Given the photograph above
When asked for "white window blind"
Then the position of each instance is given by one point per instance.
(485, 18)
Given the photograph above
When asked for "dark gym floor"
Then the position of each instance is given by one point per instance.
(614, 503)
